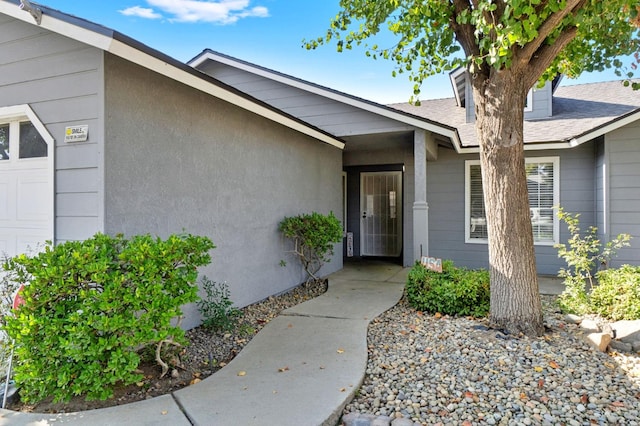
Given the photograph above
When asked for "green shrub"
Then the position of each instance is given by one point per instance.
(9, 284)
(90, 306)
(617, 295)
(455, 291)
(583, 253)
(216, 307)
(313, 236)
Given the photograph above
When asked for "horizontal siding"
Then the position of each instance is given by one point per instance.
(71, 62)
(76, 227)
(77, 156)
(77, 180)
(623, 150)
(61, 80)
(445, 195)
(53, 89)
(73, 204)
(541, 103)
(334, 117)
(70, 111)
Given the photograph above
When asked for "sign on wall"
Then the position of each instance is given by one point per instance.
(76, 133)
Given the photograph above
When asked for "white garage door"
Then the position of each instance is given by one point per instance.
(26, 199)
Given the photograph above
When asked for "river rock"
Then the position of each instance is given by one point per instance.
(600, 341)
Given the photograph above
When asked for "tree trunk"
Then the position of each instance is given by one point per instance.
(515, 298)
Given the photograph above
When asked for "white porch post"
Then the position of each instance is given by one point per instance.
(420, 206)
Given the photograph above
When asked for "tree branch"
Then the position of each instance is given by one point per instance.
(525, 54)
(501, 5)
(464, 32)
(169, 341)
(547, 53)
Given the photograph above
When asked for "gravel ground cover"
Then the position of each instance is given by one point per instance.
(438, 370)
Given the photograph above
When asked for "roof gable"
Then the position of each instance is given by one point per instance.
(208, 55)
(132, 50)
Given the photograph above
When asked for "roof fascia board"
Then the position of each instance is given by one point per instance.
(106, 40)
(527, 147)
(49, 22)
(606, 128)
(299, 84)
(453, 77)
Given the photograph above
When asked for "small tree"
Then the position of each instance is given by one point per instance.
(313, 236)
(583, 253)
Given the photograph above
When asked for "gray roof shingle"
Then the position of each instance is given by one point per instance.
(577, 110)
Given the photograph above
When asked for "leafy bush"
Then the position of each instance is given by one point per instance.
(617, 295)
(583, 253)
(455, 291)
(90, 306)
(9, 285)
(216, 307)
(313, 236)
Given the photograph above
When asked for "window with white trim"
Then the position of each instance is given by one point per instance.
(543, 182)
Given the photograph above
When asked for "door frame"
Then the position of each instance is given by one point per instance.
(399, 186)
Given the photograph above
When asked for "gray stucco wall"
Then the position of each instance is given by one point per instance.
(61, 80)
(179, 160)
(446, 198)
(623, 158)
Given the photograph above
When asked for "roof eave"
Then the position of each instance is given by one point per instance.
(127, 48)
(605, 128)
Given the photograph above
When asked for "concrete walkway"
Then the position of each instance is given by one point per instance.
(300, 369)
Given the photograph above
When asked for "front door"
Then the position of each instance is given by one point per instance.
(381, 214)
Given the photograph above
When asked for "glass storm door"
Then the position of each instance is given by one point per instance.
(381, 214)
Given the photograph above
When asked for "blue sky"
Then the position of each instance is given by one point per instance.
(265, 32)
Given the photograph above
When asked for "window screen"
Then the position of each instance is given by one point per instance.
(478, 218)
(542, 185)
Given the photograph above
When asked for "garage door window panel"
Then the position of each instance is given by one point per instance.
(4, 142)
(32, 145)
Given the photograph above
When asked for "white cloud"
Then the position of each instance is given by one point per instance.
(141, 12)
(214, 11)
